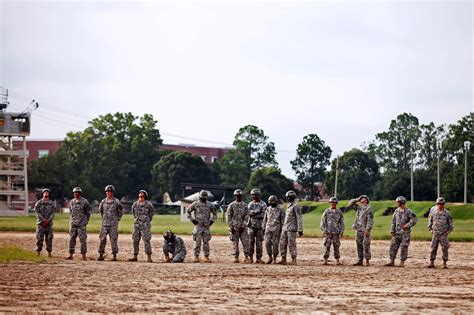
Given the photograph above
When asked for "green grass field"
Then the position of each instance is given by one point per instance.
(463, 218)
(14, 253)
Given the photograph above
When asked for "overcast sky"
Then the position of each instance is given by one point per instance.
(342, 70)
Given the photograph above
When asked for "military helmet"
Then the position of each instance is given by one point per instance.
(401, 200)
(144, 192)
(255, 192)
(272, 199)
(46, 190)
(440, 200)
(238, 192)
(168, 234)
(77, 189)
(203, 194)
(364, 196)
(110, 188)
(333, 199)
(290, 193)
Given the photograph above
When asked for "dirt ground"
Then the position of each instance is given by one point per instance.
(93, 286)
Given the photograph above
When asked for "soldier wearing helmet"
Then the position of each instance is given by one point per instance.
(272, 225)
(237, 218)
(440, 223)
(80, 211)
(403, 220)
(202, 214)
(364, 220)
(293, 224)
(174, 246)
(257, 209)
(44, 209)
(332, 226)
(111, 211)
(143, 212)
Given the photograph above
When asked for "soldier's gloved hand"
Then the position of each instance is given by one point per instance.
(300, 233)
(194, 221)
(341, 235)
(324, 234)
(211, 223)
(366, 234)
(392, 233)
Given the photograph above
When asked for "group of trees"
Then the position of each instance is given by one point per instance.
(122, 149)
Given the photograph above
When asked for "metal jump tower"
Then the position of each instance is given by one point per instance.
(13, 161)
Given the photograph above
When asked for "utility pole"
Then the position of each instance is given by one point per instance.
(438, 147)
(467, 146)
(335, 184)
(412, 147)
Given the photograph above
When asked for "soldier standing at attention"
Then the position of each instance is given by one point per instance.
(202, 221)
(111, 211)
(257, 210)
(293, 223)
(273, 221)
(332, 226)
(143, 212)
(364, 221)
(237, 218)
(440, 223)
(80, 210)
(402, 221)
(44, 209)
(174, 246)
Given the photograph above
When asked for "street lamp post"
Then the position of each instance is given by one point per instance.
(335, 184)
(438, 147)
(412, 147)
(467, 146)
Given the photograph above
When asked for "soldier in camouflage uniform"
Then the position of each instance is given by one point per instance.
(111, 211)
(293, 223)
(237, 218)
(332, 226)
(402, 221)
(80, 214)
(364, 221)
(143, 212)
(257, 210)
(202, 222)
(44, 209)
(272, 224)
(174, 246)
(440, 223)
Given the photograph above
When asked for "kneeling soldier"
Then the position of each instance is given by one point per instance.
(174, 246)
(332, 226)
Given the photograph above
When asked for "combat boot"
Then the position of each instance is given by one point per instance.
(259, 261)
(359, 263)
(445, 265)
(167, 259)
(325, 261)
(250, 260)
(247, 260)
(50, 255)
(402, 264)
(149, 259)
(207, 259)
(196, 259)
(293, 261)
(114, 257)
(270, 260)
(390, 264)
(431, 265)
(135, 258)
(84, 257)
(282, 261)
(236, 260)
(69, 257)
(101, 257)
(338, 262)
(367, 263)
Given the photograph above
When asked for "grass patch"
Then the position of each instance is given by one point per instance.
(14, 253)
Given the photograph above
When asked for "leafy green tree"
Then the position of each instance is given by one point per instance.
(429, 148)
(176, 168)
(270, 181)
(312, 158)
(358, 172)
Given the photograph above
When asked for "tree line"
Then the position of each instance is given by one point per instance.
(122, 149)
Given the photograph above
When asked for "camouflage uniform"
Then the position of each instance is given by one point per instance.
(143, 214)
(80, 214)
(202, 232)
(237, 218)
(111, 211)
(44, 231)
(363, 223)
(440, 223)
(293, 223)
(255, 230)
(400, 236)
(332, 224)
(176, 248)
(273, 221)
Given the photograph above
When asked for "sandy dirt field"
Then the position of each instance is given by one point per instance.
(93, 286)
